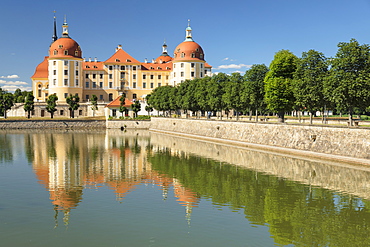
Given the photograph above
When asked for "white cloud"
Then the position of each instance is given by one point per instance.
(13, 82)
(228, 59)
(233, 66)
(10, 76)
(12, 88)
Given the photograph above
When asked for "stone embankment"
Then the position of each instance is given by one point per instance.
(53, 124)
(343, 141)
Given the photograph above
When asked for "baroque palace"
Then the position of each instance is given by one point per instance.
(64, 71)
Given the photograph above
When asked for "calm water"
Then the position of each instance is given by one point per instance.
(146, 189)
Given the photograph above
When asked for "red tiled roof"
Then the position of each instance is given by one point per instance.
(207, 65)
(121, 57)
(117, 102)
(157, 66)
(41, 70)
(93, 65)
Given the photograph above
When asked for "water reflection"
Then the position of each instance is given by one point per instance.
(67, 163)
(305, 203)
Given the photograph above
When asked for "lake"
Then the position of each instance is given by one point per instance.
(140, 188)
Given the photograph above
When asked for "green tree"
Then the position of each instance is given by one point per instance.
(51, 104)
(6, 102)
(94, 103)
(279, 95)
(232, 94)
(148, 107)
(122, 108)
(136, 107)
(18, 96)
(309, 79)
(348, 83)
(216, 90)
(254, 88)
(29, 104)
(73, 102)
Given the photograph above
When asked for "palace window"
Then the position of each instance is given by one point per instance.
(134, 85)
(76, 82)
(65, 82)
(110, 76)
(65, 72)
(77, 72)
(101, 84)
(54, 72)
(159, 77)
(182, 74)
(55, 82)
(151, 85)
(110, 84)
(101, 97)
(87, 76)
(144, 77)
(65, 96)
(94, 76)
(151, 77)
(133, 67)
(122, 67)
(87, 97)
(192, 65)
(159, 84)
(134, 77)
(87, 84)
(144, 84)
(192, 74)
(182, 65)
(134, 96)
(65, 63)
(54, 62)
(94, 84)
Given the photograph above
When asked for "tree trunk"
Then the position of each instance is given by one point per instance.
(281, 117)
(28, 114)
(299, 116)
(250, 115)
(256, 115)
(311, 117)
(51, 114)
(350, 117)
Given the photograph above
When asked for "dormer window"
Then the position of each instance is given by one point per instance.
(197, 49)
(117, 60)
(201, 56)
(66, 52)
(87, 66)
(60, 46)
(193, 55)
(182, 54)
(95, 67)
(128, 60)
(151, 68)
(55, 52)
(158, 67)
(76, 53)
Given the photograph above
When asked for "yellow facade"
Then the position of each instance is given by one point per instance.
(65, 72)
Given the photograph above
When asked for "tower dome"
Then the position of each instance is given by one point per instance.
(65, 47)
(189, 49)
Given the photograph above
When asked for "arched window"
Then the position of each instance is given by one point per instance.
(66, 52)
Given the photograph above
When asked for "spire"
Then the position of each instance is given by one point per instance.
(164, 49)
(55, 37)
(65, 28)
(188, 33)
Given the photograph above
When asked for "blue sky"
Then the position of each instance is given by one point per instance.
(233, 34)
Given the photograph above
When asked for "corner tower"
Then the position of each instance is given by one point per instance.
(65, 66)
(188, 60)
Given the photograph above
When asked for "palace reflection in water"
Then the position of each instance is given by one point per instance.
(302, 202)
(72, 162)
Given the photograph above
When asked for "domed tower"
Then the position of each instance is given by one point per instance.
(164, 57)
(65, 66)
(188, 61)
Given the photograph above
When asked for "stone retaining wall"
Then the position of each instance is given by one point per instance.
(53, 124)
(128, 124)
(350, 142)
